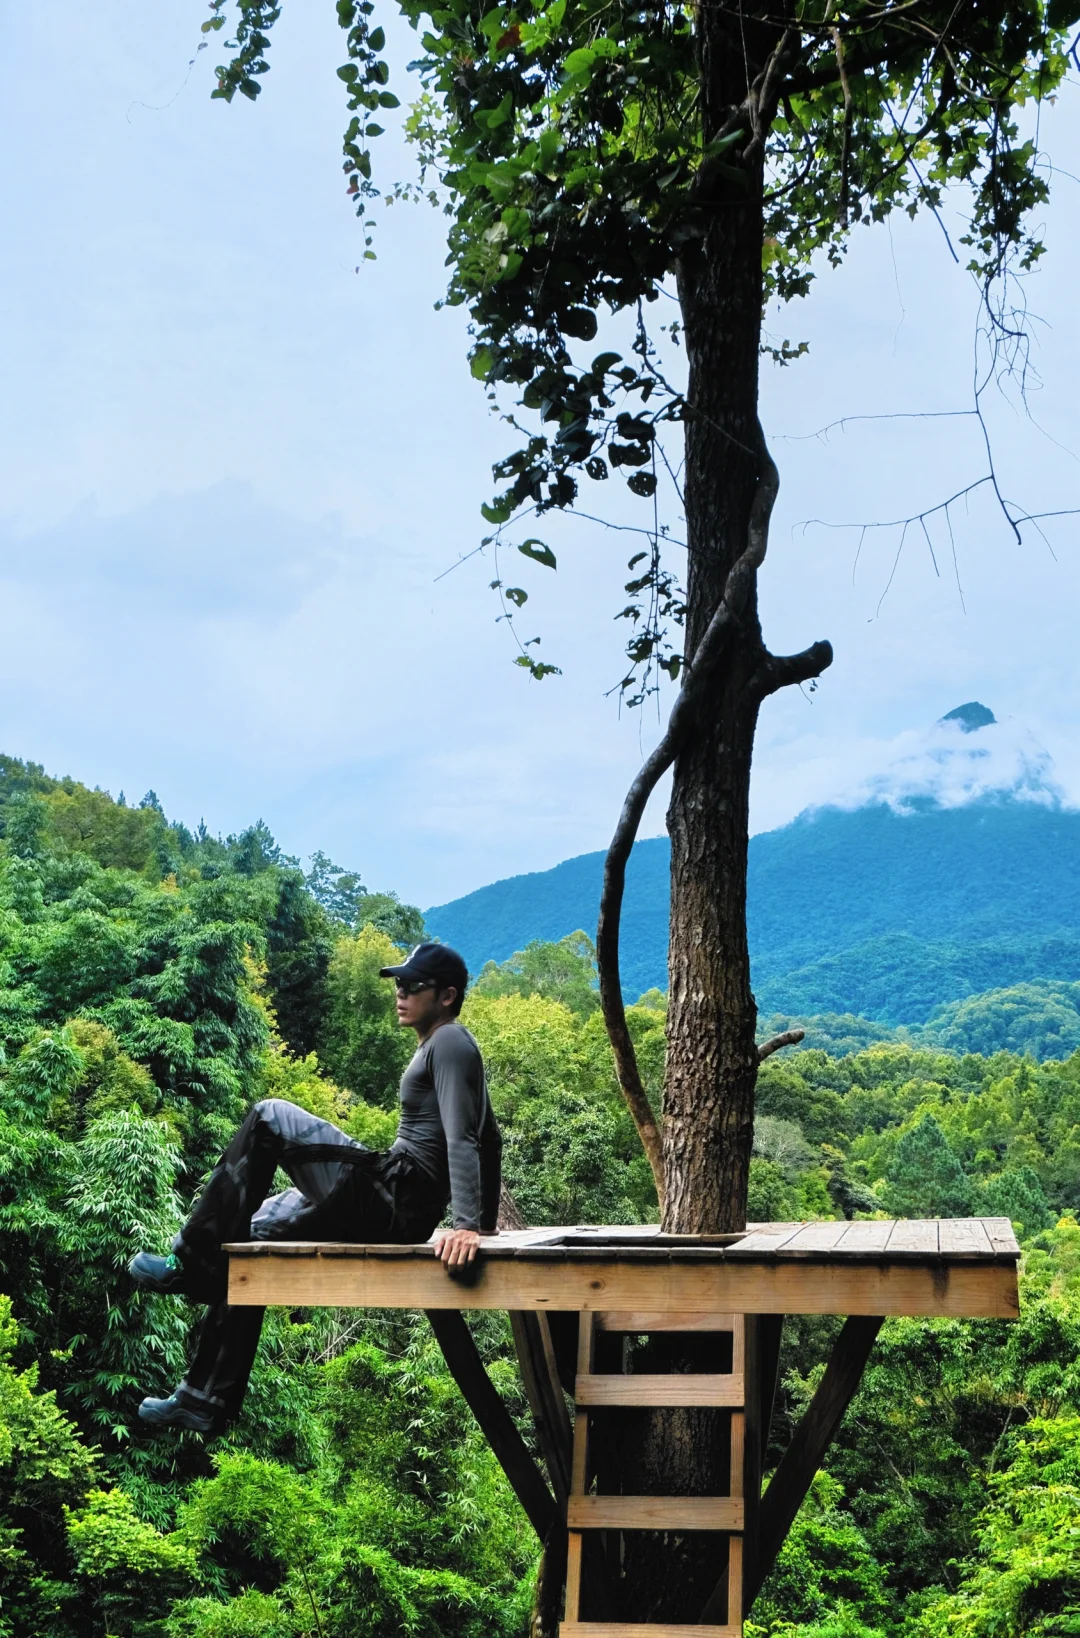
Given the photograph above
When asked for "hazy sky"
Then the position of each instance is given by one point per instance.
(233, 467)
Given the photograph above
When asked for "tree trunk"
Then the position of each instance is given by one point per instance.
(712, 1061)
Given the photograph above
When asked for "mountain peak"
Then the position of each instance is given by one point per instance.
(971, 717)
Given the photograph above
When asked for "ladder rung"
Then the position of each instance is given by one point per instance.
(641, 1629)
(654, 1513)
(635, 1319)
(671, 1389)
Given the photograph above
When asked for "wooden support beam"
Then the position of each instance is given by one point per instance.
(482, 1397)
(540, 1376)
(549, 1278)
(763, 1334)
(815, 1433)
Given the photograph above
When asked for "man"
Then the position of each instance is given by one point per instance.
(448, 1150)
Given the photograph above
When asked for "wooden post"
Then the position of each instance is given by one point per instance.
(467, 1369)
(540, 1377)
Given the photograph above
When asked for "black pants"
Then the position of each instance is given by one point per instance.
(342, 1191)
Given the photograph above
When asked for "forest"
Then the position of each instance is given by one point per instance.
(155, 981)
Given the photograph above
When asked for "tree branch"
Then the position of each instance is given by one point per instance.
(845, 152)
(782, 670)
(698, 673)
(790, 1037)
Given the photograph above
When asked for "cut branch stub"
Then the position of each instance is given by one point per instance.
(790, 1037)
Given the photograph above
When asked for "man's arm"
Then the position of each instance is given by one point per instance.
(458, 1074)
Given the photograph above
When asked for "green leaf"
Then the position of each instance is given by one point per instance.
(480, 363)
(1062, 14)
(580, 61)
(377, 39)
(538, 552)
(517, 595)
(580, 322)
(642, 483)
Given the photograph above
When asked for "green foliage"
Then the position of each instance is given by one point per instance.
(565, 972)
(1040, 1019)
(131, 1570)
(43, 1466)
(924, 1177)
(571, 1153)
(360, 1041)
(1023, 1575)
(826, 1577)
(402, 923)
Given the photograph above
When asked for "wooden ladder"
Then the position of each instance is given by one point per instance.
(726, 1514)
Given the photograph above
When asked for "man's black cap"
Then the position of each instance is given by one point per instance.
(436, 962)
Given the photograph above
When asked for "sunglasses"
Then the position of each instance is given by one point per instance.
(413, 986)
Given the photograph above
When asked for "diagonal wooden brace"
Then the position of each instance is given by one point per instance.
(816, 1431)
(481, 1395)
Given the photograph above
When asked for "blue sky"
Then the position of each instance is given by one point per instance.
(233, 467)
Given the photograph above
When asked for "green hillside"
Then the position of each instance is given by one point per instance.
(882, 915)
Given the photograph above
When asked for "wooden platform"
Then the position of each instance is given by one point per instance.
(637, 1280)
(963, 1267)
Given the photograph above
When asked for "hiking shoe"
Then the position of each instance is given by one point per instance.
(165, 1274)
(179, 1413)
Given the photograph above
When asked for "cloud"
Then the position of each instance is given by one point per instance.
(942, 764)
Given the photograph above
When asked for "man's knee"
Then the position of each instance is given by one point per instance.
(277, 1113)
(287, 1121)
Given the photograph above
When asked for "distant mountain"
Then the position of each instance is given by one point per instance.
(960, 874)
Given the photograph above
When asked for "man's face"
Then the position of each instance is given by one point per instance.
(419, 1009)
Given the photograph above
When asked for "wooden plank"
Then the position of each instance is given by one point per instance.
(655, 1391)
(645, 1320)
(999, 1232)
(962, 1234)
(573, 1579)
(735, 1582)
(864, 1237)
(812, 1438)
(482, 1397)
(768, 1239)
(918, 1235)
(655, 1513)
(814, 1237)
(642, 1629)
(644, 1243)
(978, 1289)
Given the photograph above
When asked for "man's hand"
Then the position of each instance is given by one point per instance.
(456, 1247)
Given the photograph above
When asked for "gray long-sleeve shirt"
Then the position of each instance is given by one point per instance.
(448, 1127)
